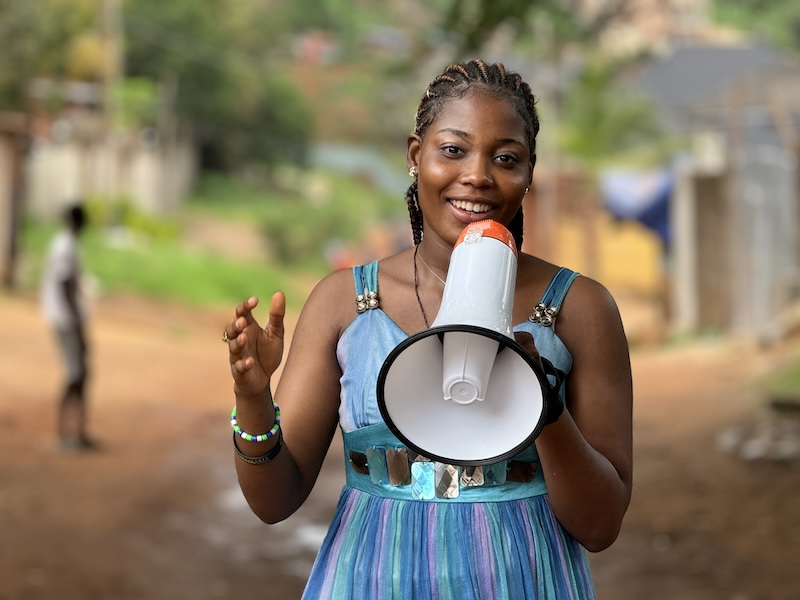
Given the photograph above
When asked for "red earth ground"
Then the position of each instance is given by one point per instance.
(156, 514)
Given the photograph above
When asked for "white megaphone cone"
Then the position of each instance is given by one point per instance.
(464, 391)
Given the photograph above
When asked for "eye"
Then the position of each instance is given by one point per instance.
(507, 158)
(451, 149)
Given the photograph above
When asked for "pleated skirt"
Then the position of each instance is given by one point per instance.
(388, 549)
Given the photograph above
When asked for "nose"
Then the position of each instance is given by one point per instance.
(476, 172)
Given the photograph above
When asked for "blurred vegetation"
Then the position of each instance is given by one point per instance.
(783, 384)
(130, 252)
(232, 74)
(123, 262)
(300, 218)
(215, 65)
(774, 22)
(223, 69)
(603, 125)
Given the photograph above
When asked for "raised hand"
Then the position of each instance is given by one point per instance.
(255, 353)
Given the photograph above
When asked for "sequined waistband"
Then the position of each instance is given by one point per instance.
(378, 463)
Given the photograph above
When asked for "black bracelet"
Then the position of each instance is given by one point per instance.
(260, 460)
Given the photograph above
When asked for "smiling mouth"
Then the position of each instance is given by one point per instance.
(473, 207)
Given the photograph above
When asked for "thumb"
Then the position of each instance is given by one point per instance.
(277, 312)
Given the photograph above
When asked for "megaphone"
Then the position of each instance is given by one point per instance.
(464, 391)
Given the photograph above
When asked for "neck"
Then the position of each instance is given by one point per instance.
(435, 262)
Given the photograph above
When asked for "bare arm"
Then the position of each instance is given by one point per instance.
(308, 396)
(70, 290)
(586, 455)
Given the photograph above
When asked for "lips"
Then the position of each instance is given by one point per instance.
(469, 206)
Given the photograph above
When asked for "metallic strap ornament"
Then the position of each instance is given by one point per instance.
(368, 301)
(544, 315)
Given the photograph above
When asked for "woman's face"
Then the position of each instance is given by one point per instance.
(473, 164)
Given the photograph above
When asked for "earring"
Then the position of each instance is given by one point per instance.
(527, 189)
(412, 172)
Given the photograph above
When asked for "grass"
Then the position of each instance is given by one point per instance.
(161, 269)
(147, 257)
(785, 382)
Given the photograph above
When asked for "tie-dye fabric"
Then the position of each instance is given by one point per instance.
(493, 543)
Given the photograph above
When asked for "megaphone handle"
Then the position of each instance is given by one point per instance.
(554, 403)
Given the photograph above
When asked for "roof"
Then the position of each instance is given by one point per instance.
(684, 77)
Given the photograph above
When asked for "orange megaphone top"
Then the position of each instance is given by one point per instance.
(488, 228)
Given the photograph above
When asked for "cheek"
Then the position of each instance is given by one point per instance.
(439, 173)
(435, 181)
(514, 187)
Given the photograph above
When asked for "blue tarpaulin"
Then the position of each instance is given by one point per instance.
(641, 196)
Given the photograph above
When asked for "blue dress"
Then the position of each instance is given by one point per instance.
(400, 532)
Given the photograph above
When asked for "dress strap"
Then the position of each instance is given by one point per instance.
(547, 309)
(366, 281)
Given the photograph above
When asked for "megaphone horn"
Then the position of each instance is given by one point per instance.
(464, 392)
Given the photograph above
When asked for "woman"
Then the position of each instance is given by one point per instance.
(471, 156)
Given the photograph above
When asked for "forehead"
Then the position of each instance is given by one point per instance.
(481, 112)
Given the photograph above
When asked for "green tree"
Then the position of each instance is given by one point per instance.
(601, 123)
(776, 22)
(239, 105)
(36, 38)
(473, 22)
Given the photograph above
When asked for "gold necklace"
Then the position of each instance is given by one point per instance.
(431, 270)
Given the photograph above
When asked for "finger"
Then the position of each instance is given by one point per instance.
(237, 347)
(231, 333)
(242, 366)
(277, 312)
(245, 309)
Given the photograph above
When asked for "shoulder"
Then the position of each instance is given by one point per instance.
(333, 288)
(589, 317)
(585, 296)
(332, 301)
(589, 298)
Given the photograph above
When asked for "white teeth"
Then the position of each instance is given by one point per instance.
(470, 206)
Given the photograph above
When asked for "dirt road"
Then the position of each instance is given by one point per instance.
(156, 514)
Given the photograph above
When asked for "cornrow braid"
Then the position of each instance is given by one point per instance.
(454, 82)
(414, 212)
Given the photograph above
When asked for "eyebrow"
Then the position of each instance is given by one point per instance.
(465, 135)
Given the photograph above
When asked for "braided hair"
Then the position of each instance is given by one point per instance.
(454, 82)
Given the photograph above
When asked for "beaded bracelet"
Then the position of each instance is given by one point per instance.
(260, 460)
(262, 437)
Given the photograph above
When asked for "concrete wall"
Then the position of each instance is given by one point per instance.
(156, 178)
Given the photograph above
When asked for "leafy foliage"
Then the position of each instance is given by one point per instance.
(600, 122)
(237, 103)
(474, 22)
(298, 222)
(774, 21)
(36, 37)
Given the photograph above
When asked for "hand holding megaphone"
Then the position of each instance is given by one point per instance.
(554, 405)
(464, 391)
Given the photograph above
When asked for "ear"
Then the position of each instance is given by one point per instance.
(414, 145)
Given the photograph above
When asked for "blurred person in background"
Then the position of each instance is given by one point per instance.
(64, 309)
(516, 530)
